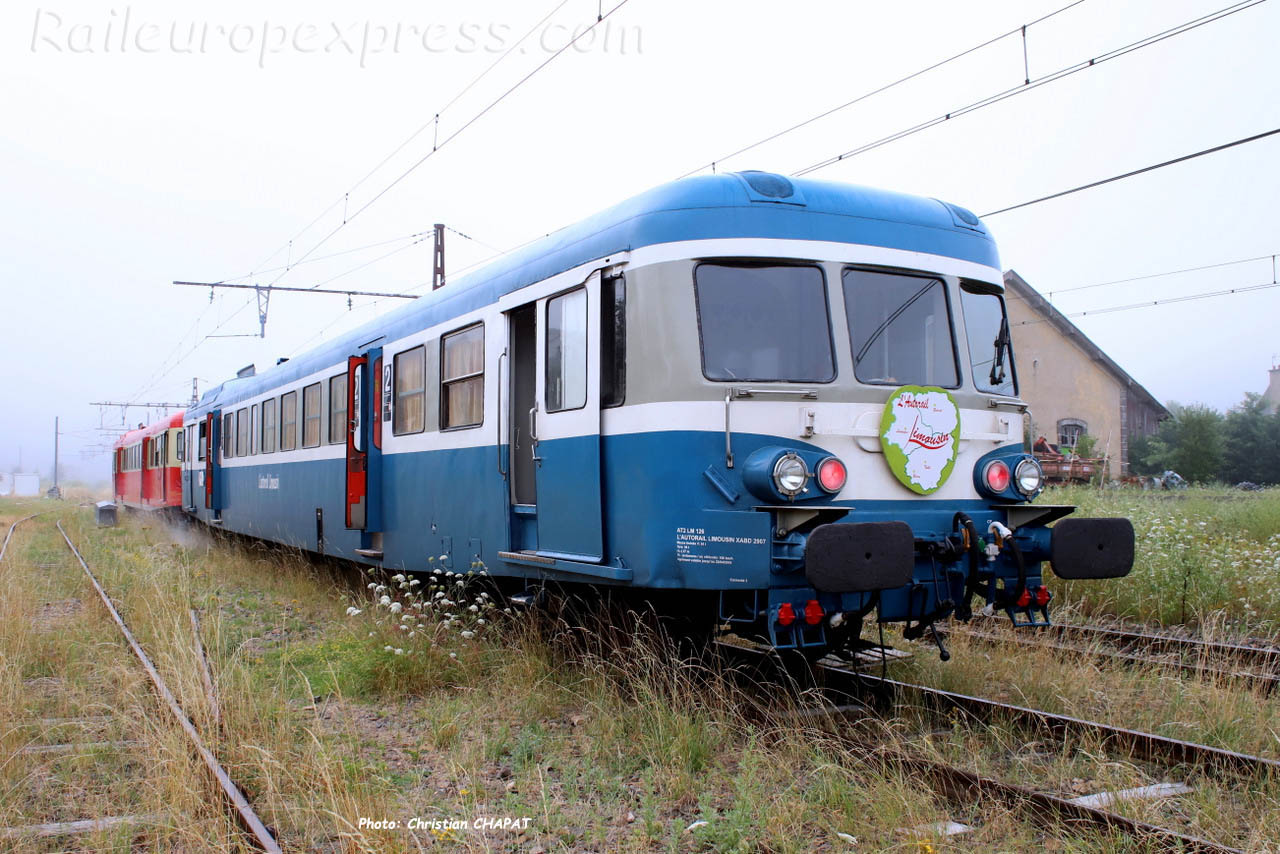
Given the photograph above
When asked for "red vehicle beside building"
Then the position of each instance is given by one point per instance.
(147, 465)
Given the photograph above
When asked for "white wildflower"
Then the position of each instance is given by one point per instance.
(444, 557)
(453, 655)
(475, 609)
(468, 635)
(385, 600)
(399, 651)
(372, 585)
(480, 622)
(398, 577)
(387, 648)
(396, 607)
(414, 583)
(352, 611)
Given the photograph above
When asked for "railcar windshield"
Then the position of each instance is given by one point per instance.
(899, 329)
(764, 323)
(990, 345)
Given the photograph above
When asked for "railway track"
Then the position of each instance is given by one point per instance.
(1187, 656)
(4, 546)
(1263, 658)
(841, 683)
(256, 831)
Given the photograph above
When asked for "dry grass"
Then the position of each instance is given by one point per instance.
(603, 739)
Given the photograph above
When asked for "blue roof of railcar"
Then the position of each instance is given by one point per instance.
(731, 205)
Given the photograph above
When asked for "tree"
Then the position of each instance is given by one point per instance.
(1251, 442)
(1190, 442)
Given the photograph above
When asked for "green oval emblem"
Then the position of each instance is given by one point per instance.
(920, 434)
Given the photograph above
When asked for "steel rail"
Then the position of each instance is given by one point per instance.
(261, 835)
(1143, 745)
(5, 545)
(959, 784)
(1258, 656)
(1267, 682)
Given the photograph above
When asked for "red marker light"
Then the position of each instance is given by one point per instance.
(1042, 596)
(812, 612)
(1025, 599)
(997, 476)
(832, 474)
(786, 614)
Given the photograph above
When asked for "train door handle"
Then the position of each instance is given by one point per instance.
(533, 432)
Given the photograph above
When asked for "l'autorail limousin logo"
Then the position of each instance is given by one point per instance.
(920, 432)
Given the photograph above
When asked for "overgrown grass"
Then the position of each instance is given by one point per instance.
(1205, 557)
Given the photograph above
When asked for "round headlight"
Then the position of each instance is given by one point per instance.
(1029, 476)
(996, 475)
(790, 474)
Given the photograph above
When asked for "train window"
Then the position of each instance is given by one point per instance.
(990, 345)
(337, 409)
(764, 323)
(311, 416)
(255, 426)
(289, 421)
(182, 445)
(228, 436)
(269, 425)
(242, 432)
(462, 378)
(899, 329)
(567, 351)
(410, 392)
(203, 433)
(613, 341)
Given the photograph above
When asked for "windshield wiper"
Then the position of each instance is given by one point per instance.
(1002, 344)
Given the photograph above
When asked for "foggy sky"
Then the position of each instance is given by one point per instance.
(149, 142)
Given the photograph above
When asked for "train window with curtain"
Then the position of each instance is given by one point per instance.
(990, 344)
(410, 405)
(462, 378)
(269, 426)
(337, 409)
(311, 416)
(242, 432)
(289, 421)
(567, 351)
(899, 329)
(203, 433)
(228, 436)
(613, 341)
(764, 322)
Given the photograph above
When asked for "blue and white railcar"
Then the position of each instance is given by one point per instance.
(794, 399)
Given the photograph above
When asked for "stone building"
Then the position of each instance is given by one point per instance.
(1272, 394)
(1071, 386)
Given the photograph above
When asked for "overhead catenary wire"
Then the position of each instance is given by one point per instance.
(1213, 150)
(459, 131)
(1035, 83)
(434, 121)
(881, 89)
(1159, 302)
(1058, 291)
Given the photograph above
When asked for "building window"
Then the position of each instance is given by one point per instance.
(1069, 432)
(269, 426)
(337, 409)
(462, 377)
(613, 341)
(311, 416)
(289, 421)
(410, 391)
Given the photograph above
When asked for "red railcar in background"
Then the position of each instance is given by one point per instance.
(146, 465)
